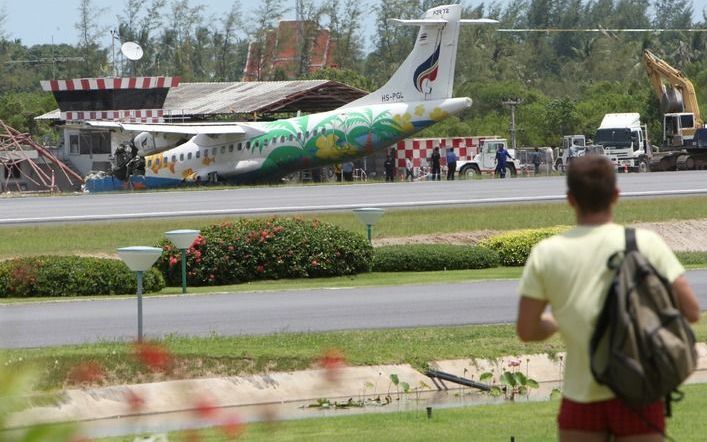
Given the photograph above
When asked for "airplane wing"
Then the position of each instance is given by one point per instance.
(181, 129)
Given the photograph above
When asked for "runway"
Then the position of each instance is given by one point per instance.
(77, 322)
(290, 199)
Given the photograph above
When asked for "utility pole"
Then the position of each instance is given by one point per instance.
(513, 103)
(114, 35)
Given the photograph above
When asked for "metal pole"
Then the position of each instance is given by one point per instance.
(184, 271)
(139, 306)
(370, 227)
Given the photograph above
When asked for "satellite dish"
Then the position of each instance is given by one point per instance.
(131, 51)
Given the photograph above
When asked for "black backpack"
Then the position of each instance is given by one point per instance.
(642, 347)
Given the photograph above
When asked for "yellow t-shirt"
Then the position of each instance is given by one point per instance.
(569, 271)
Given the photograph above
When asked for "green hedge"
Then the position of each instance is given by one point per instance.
(514, 246)
(430, 257)
(692, 258)
(71, 276)
(272, 248)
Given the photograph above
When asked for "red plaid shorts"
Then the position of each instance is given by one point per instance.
(611, 416)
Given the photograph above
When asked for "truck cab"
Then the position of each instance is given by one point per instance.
(572, 146)
(485, 160)
(624, 140)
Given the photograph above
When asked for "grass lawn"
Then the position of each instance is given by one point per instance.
(525, 421)
(217, 355)
(102, 238)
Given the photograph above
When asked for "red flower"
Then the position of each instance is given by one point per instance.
(173, 261)
(332, 361)
(232, 427)
(86, 372)
(205, 408)
(153, 356)
(260, 269)
(231, 248)
(135, 401)
(315, 263)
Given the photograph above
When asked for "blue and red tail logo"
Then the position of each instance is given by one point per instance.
(427, 70)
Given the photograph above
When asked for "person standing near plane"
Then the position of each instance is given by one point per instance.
(389, 169)
(501, 155)
(409, 169)
(451, 163)
(435, 164)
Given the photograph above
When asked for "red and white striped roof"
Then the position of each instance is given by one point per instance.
(126, 116)
(96, 84)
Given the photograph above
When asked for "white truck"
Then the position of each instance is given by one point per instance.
(572, 146)
(485, 160)
(625, 142)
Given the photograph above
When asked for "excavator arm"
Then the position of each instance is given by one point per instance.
(666, 81)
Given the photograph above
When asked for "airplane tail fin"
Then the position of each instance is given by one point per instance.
(428, 71)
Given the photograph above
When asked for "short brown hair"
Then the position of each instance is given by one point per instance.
(591, 180)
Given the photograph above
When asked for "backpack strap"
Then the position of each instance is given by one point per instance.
(631, 245)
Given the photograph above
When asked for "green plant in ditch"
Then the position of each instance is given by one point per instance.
(511, 383)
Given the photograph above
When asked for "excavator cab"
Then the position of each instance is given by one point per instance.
(676, 127)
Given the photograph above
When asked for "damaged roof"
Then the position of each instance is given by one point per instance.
(202, 100)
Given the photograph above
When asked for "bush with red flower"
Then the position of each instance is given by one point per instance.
(71, 276)
(273, 248)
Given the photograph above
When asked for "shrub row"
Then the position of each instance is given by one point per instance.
(431, 257)
(71, 276)
(272, 248)
(514, 246)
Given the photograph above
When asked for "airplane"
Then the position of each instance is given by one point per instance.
(418, 95)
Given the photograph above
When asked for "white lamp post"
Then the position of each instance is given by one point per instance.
(183, 239)
(369, 217)
(139, 259)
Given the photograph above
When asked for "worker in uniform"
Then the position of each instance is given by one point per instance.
(435, 164)
(501, 155)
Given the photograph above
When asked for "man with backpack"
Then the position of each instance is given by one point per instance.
(570, 273)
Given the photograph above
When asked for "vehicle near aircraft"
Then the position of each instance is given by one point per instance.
(418, 95)
(683, 145)
(572, 146)
(485, 160)
(624, 140)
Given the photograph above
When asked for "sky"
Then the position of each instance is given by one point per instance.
(44, 21)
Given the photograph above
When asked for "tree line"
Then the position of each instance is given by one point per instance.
(566, 81)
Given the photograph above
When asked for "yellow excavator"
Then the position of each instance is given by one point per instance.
(684, 144)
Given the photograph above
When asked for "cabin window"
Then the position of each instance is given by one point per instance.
(240, 146)
(165, 160)
(291, 137)
(230, 148)
(265, 143)
(189, 156)
(213, 151)
(157, 162)
(174, 158)
(223, 149)
(181, 157)
(274, 140)
(198, 154)
(257, 143)
(306, 134)
(282, 139)
(323, 130)
(149, 163)
(247, 145)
